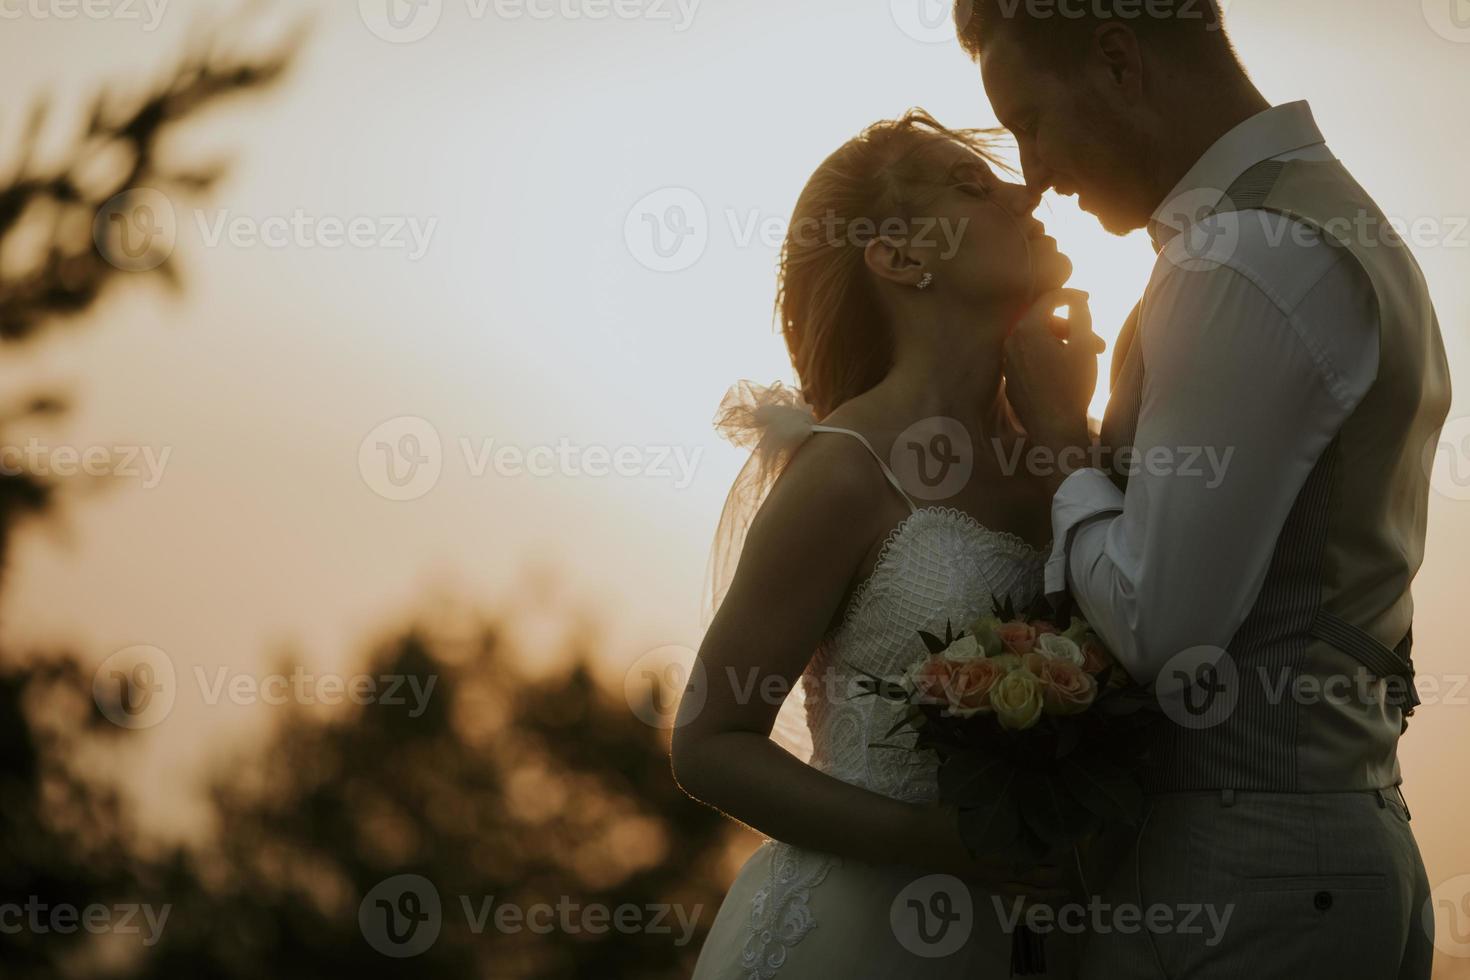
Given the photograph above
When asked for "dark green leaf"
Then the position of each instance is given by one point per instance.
(1105, 789)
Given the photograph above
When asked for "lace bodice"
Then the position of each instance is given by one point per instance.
(939, 564)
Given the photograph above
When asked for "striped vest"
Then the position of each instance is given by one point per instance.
(1317, 683)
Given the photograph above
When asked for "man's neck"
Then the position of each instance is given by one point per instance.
(1195, 126)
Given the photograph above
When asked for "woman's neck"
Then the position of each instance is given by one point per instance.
(948, 366)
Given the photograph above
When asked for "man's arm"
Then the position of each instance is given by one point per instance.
(1244, 389)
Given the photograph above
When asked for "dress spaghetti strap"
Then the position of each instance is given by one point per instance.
(869, 446)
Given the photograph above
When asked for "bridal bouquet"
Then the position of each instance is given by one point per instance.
(1037, 730)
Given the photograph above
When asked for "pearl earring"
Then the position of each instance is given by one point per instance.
(927, 281)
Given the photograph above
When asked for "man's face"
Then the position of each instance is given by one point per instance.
(1074, 133)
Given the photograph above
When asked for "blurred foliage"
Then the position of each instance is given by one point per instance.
(55, 263)
(507, 788)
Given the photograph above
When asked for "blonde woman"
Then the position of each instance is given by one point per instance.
(907, 264)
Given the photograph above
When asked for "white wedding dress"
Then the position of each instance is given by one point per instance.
(796, 914)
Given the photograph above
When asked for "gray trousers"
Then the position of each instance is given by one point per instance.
(1229, 885)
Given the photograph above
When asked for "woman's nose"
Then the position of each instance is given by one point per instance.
(1022, 199)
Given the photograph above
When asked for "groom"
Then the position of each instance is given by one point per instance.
(1288, 331)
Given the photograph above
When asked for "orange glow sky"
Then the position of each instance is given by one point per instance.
(530, 319)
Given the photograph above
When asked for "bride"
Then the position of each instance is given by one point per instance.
(906, 265)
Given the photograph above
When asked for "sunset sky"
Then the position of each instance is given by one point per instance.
(523, 144)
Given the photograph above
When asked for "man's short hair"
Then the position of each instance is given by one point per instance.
(1057, 32)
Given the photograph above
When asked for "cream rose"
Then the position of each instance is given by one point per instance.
(965, 648)
(1017, 700)
(1054, 646)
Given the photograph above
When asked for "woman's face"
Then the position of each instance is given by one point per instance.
(985, 246)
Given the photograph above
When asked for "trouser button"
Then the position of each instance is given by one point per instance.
(1323, 901)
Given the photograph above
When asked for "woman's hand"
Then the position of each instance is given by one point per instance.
(1051, 371)
(942, 850)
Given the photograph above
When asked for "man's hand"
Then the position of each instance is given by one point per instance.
(1051, 371)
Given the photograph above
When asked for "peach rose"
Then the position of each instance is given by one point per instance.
(973, 681)
(1017, 637)
(932, 680)
(1043, 628)
(1066, 689)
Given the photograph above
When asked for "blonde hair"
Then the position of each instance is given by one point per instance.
(835, 330)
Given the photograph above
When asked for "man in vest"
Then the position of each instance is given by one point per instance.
(1248, 547)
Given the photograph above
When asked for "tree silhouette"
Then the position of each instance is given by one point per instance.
(63, 253)
(508, 788)
(65, 840)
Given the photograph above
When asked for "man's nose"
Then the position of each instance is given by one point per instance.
(1038, 176)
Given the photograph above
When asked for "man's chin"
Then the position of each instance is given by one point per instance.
(1113, 220)
(1117, 224)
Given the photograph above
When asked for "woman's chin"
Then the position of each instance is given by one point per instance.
(1053, 273)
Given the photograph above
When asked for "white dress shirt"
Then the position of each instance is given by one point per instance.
(1258, 342)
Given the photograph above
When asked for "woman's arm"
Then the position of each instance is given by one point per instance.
(804, 548)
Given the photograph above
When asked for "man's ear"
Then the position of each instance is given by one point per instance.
(1116, 49)
(891, 260)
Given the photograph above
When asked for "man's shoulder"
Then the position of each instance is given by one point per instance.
(1284, 257)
